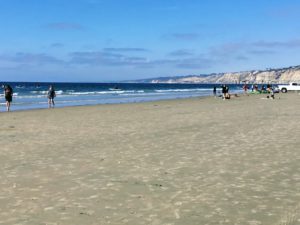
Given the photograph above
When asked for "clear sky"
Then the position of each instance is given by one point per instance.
(115, 40)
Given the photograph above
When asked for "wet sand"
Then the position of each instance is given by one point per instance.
(181, 162)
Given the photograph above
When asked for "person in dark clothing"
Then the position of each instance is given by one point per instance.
(227, 95)
(51, 96)
(223, 91)
(215, 91)
(8, 93)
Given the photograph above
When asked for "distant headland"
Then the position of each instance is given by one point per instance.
(270, 75)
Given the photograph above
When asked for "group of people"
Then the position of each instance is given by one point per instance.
(264, 89)
(225, 91)
(8, 95)
(268, 89)
(254, 88)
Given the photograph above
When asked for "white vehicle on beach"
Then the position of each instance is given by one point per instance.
(289, 87)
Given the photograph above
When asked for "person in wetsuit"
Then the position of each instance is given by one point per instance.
(51, 96)
(8, 93)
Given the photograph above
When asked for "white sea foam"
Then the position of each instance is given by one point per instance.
(103, 92)
(140, 94)
(30, 96)
(83, 93)
(182, 90)
(46, 92)
(20, 87)
(30, 103)
(59, 92)
(39, 92)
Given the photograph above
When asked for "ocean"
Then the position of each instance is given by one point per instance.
(34, 95)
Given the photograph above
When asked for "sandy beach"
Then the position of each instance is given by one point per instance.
(176, 162)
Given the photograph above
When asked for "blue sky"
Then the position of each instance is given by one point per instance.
(115, 40)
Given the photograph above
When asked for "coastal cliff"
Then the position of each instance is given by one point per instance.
(282, 75)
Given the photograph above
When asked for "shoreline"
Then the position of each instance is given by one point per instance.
(240, 94)
(92, 105)
(183, 161)
(29, 97)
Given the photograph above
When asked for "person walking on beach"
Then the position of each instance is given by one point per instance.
(8, 93)
(51, 96)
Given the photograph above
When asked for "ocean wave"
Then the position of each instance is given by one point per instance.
(46, 92)
(183, 90)
(104, 92)
(20, 87)
(39, 92)
(60, 92)
(30, 96)
(140, 94)
(84, 93)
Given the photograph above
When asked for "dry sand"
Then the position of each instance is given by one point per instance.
(184, 162)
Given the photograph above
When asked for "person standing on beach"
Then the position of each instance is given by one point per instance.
(245, 87)
(223, 91)
(215, 91)
(272, 92)
(227, 95)
(51, 96)
(8, 93)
